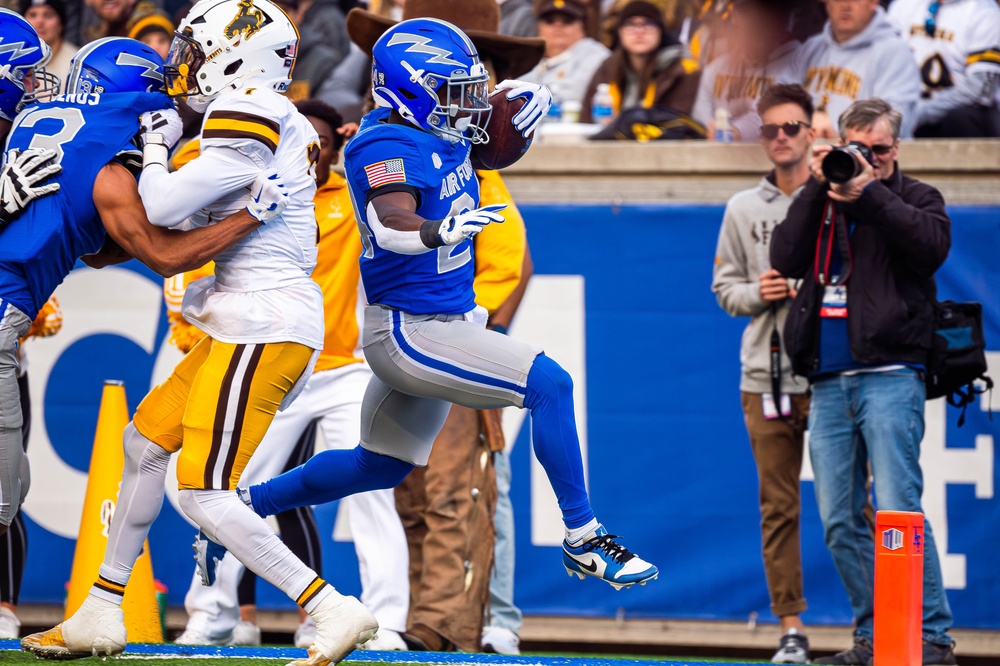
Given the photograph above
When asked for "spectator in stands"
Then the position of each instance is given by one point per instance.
(517, 18)
(857, 56)
(762, 53)
(323, 43)
(957, 48)
(775, 412)
(112, 18)
(646, 68)
(571, 57)
(859, 329)
(48, 17)
(152, 27)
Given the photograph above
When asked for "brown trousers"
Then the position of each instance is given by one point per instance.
(447, 512)
(777, 448)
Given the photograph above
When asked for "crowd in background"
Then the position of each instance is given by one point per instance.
(705, 60)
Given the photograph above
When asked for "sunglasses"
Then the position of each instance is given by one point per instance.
(930, 25)
(881, 149)
(791, 129)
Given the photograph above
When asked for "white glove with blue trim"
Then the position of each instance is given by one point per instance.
(268, 197)
(456, 228)
(539, 99)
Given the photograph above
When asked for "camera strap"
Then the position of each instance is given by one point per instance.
(832, 231)
(776, 361)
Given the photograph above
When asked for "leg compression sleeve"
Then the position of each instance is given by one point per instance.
(327, 476)
(549, 398)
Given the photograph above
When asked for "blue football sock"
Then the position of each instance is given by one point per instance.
(553, 431)
(327, 476)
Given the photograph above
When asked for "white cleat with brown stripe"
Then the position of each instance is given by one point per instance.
(342, 624)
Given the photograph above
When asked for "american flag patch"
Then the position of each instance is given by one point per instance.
(382, 173)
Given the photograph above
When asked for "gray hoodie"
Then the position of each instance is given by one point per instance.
(874, 63)
(740, 258)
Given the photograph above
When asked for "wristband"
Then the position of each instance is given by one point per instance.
(430, 234)
(154, 150)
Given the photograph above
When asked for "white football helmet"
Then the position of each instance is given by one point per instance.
(227, 44)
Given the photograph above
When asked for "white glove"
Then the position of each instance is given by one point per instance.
(537, 106)
(268, 197)
(456, 228)
(165, 122)
(19, 180)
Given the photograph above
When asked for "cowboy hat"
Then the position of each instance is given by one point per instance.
(479, 19)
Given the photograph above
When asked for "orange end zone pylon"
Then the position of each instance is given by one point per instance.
(899, 588)
(107, 460)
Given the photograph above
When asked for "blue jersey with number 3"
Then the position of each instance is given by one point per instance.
(382, 157)
(38, 249)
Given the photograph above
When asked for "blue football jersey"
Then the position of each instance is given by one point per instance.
(441, 175)
(38, 250)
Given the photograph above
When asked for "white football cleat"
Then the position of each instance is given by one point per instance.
(387, 640)
(96, 629)
(342, 624)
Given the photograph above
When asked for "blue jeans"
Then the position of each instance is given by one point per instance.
(876, 418)
(502, 612)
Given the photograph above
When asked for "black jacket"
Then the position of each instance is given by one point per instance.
(902, 235)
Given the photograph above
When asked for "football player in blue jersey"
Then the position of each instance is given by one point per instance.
(96, 214)
(23, 79)
(416, 197)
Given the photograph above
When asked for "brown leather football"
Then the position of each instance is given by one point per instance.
(506, 145)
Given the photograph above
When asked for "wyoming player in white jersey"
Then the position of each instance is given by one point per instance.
(956, 44)
(261, 310)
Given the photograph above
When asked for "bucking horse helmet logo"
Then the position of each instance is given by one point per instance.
(247, 22)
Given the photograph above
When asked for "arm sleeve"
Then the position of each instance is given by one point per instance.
(737, 292)
(499, 247)
(170, 198)
(238, 141)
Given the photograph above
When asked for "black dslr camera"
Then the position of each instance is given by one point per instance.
(844, 162)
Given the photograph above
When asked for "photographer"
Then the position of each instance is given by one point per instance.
(866, 250)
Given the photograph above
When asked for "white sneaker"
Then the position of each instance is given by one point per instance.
(793, 648)
(342, 623)
(386, 640)
(10, 626)
(245, 633)
(500, 641)
(305, 633)
(192, 636)
(96, 629)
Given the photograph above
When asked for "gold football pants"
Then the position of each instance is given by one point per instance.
(218, 403)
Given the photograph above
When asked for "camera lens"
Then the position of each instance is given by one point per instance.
(840, 166)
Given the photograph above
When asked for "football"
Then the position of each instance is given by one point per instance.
(506, 145)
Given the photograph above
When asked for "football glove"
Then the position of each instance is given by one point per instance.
(48, 321)
(539, 99)
(268, 197)
(165, 122)
(456, 228)
(19, 180)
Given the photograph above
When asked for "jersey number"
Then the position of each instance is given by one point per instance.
(935, 73)
(72, 120)
(446, 260)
